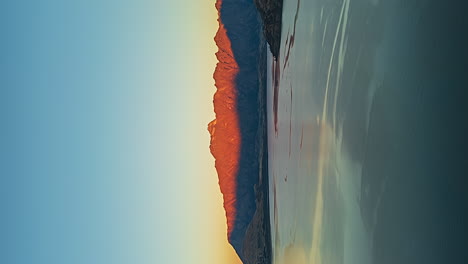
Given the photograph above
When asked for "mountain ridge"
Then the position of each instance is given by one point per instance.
(238, 131)
(224, 129)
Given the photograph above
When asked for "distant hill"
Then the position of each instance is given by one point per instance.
(238, 131)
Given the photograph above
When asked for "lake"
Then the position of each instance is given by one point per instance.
(366, 133)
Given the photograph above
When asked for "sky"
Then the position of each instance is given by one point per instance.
(104, 108)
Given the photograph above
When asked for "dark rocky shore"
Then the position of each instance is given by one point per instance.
(271, 12)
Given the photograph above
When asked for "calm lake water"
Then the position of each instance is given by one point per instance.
(365, 137)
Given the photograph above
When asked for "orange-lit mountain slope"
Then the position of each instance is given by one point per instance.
(224, 130)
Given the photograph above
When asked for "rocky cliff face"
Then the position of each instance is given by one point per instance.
(271, 12)
(234, 132)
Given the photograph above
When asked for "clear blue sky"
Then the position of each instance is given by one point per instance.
(104, 157)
